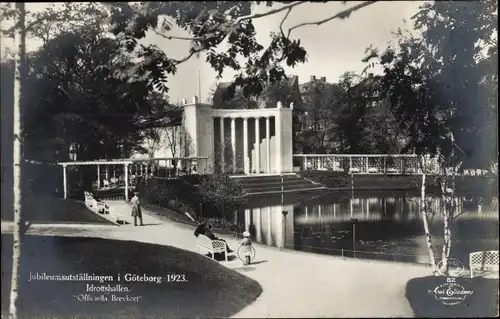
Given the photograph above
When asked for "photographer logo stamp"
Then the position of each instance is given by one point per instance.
(455, 268)
(450, 293)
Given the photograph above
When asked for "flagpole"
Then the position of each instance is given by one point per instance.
(199, 85)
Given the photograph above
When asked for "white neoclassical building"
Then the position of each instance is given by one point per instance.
(241, 141)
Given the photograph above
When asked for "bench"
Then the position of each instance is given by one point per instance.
(213, 246)
(100, 207)
(95, 205)
(484, 260)
(118, 216)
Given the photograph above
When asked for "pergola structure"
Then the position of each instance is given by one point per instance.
(97, 163)
(126, 167)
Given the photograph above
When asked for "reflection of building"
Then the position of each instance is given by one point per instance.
(380, 208)
(270, 226)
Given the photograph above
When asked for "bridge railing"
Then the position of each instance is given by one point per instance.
(387, 164)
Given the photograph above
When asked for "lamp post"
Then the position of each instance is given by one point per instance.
(284, 212)
(281, 176)
(354, 221)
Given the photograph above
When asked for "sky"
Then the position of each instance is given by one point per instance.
(333, 48)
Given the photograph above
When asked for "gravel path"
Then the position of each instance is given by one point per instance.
(295, 284)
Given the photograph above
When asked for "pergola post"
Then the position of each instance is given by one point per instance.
(125, 167)
(65, 182)
(98, 176)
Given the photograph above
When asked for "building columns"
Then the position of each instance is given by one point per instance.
(233, 143)
(253, 162)
(245, 146)
(268, 145)
(222, 144)
(257, 146)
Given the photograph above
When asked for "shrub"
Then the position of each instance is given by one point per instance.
(221, 193)
(203, 195)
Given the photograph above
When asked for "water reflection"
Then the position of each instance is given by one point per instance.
(389, 225)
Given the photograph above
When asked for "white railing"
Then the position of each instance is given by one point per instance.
(126, 171)
(387, 164)
(167, 168)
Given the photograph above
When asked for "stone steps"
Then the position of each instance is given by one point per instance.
(273, 184)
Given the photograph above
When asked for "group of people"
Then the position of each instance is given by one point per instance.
(206, 230)
(202, 229)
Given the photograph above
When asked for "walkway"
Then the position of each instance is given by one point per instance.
(295, 284)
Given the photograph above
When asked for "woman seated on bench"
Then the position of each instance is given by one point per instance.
(203, 229)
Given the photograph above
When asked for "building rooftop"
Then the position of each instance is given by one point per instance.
(368, 83)
(314, 85)
(285, 90)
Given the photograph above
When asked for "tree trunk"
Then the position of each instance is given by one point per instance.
(17, 161)
(423, 212)
(452, 212)
(447, 231)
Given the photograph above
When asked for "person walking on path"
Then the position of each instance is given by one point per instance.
(136, 208)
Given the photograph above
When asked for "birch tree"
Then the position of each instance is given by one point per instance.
(425, 212)
(20, 41)
(439, 86)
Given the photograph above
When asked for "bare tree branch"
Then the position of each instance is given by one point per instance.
(193, 52)
(171, 37)
(284, 18)
(342, 15)
(232, 23)
(268, 13)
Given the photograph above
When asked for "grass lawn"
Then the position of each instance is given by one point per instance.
(169, 214)
(211, 290)
(483, 302)
(470, 185)
(327, 178)
(55, 210)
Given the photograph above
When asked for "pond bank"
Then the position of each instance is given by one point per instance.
(479, 185)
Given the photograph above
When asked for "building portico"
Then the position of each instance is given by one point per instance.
(240, 141)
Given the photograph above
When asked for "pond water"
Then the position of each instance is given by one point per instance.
(389, 225)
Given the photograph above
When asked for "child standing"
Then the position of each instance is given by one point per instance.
(246, 247)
